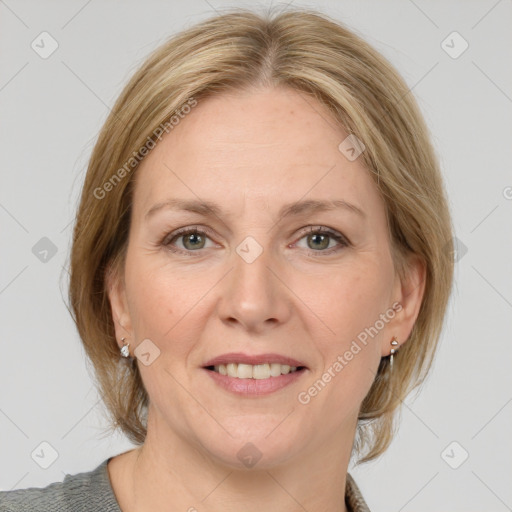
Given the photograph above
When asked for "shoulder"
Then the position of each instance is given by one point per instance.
(33, 498)
(77, 493)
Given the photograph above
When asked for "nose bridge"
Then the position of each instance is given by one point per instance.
(252, 254)
(253, 294)
(252, 279)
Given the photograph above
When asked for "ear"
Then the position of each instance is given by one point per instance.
(116, 291)
(408, 295)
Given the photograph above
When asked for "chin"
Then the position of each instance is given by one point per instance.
(251, 456)
(254, 446)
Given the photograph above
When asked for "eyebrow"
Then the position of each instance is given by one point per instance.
(210, 209)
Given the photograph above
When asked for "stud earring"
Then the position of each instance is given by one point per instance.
(125, 351)
(394, 343)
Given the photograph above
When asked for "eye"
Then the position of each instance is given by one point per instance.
(318, 239)
(194, 238)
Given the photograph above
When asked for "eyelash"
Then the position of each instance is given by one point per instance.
(320, 230)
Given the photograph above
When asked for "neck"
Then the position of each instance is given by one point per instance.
(168, 473)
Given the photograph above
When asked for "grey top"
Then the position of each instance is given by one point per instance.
(82, 492)
(92, 491)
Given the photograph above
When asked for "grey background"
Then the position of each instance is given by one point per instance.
(51, 111)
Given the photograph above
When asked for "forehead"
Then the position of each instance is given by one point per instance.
(271, 145)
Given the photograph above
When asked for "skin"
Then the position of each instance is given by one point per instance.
(252, 152)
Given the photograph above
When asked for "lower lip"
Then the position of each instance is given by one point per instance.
(254, 387)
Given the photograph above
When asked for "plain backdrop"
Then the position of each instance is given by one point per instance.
(453, 450)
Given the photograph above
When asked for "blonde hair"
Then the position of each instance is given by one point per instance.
(306, 51)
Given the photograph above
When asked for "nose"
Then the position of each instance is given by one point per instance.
(254, 295)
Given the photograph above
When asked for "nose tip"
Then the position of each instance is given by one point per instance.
(251, 295)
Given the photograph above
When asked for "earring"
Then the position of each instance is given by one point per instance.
(394, 343)
(125, 351)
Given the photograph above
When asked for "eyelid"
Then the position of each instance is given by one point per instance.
(187, 229)
(168, 237)
(326, 231)
(340, 238)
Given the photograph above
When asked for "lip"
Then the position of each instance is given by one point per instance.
(240, 357)
(254, 387)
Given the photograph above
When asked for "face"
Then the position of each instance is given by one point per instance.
(256, 282)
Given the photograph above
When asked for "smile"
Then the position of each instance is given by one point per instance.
(257, 371)
(254, 374)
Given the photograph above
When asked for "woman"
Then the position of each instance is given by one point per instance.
(260, 269)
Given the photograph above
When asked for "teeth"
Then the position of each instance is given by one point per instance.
(258, 371)
(244, 371)
(232, 369)
(275, 369)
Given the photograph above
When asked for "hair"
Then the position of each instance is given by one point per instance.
(306, 51)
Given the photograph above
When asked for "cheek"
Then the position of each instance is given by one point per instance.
(357, 295)
(154, 301)
(165, 305)
(157, 298)
(351, 307)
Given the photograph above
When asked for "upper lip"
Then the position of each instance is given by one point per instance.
(239, 357)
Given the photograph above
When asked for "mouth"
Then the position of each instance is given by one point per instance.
(254, 375)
